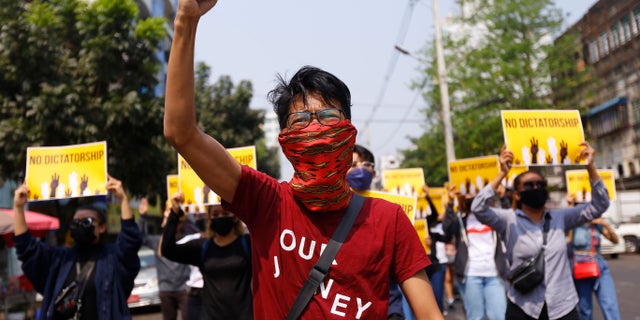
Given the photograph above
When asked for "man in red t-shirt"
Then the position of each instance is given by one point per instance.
(292, 222)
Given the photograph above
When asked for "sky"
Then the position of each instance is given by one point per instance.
(353, 39)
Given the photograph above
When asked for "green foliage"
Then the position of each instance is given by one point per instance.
(223, 112)
(76, 72)
(503, 58)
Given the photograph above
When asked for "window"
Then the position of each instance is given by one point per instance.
(615, 37)
(593, 51)
(609, 120)
(636, 14)
(604, 43)
(625, 25)
(635, 109)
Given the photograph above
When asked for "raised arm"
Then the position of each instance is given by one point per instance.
(481, 206)
(20, 197)
(599, 195)
(208, 158)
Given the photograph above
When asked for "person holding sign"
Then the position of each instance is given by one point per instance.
(223, 258)
(291, 223)
(480, 265)
(585, 246)
(541, 285)
(91, 280)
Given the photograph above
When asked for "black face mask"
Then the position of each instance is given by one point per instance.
(82, 233)
(534, 198)
(222, 226)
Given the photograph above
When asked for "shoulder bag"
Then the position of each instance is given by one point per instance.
(530, 273)
(585, 266)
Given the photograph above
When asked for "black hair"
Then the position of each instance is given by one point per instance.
(102, 214)
(309, 80)
(363, 153)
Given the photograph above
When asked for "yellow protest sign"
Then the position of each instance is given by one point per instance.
(421, 228)
(67, 171)
(439, 198)
(407, 182)
(543, 137)
(513, 173)
(472, 174)
(579, 187)
(408, 203)
(173, 186)
(196, 194)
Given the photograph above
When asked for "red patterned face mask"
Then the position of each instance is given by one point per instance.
(321, 156)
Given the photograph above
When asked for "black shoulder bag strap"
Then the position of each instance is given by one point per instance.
(321, 268)
(545, 229)
(83, 278)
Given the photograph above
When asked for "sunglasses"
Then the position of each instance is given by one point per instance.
(302, 119)
(366, 164)
(84, 222)
(537, 184)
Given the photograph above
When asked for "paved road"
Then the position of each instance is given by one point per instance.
(626, 274)
(625, 270)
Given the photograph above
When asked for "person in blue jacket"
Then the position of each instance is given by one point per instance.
(91, 280)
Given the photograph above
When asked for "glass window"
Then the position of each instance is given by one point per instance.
(593, 51)
(636, 15)
(615, 37)
(626, 29)
(604, 43)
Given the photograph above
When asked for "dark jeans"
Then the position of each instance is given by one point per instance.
(194, 304)
(171, 302)
(514, 312)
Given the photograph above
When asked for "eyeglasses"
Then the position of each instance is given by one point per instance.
(84, 222)
(301, 119)
(537, 184)
(366, 164)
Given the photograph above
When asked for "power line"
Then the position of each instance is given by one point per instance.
(402, 33)
(404, 120)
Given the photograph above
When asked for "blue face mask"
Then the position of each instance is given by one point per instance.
(360, 179)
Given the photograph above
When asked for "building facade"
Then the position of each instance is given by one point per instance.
(609, 41)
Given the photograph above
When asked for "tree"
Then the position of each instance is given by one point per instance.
(74, 71)
(223, 112)
(500, 55)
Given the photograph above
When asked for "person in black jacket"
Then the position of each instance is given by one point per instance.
(436, 271)
(480, 265)
(93, 278)
(224, 260)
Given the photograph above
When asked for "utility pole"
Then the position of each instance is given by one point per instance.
(444, 88)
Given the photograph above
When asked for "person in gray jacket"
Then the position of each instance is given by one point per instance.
(522, 231)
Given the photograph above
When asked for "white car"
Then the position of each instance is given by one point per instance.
(145, 290)
(630, 232)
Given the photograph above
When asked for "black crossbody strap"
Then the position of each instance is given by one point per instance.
(83, 277)
(321, 268)
(545, 229)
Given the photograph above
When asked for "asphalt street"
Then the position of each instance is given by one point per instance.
(625, 270)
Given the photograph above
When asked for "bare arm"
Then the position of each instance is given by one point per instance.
(419, 294)
(607, 230)
(20, 197)
(205, 155)
(115, 187)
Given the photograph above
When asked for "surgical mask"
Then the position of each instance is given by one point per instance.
(222, 226)
(82, 232)
(321, 155)
(360, 179)
(534, 198)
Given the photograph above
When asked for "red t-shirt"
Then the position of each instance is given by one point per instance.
(286, 242)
